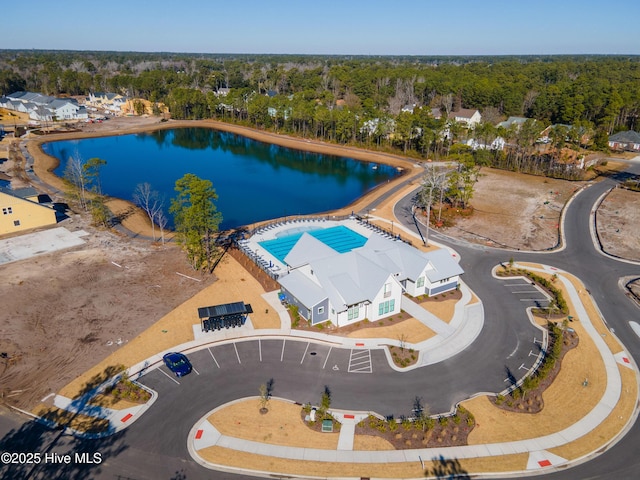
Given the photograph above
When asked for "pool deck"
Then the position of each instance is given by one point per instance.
(273, 265)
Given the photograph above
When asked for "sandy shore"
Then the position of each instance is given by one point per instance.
(138, 223)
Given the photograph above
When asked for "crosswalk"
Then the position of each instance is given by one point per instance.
(360, 361)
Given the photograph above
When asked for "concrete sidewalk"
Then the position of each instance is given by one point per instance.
(203, 433)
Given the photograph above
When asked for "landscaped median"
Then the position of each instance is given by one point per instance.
(591, 402)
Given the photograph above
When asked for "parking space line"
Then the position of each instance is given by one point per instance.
(260, 349)
(284, 341)
(194, 369)
(533, 299)
(169, 376)
(327, 359)
(237, 354)
(304, 354)
(214, 358)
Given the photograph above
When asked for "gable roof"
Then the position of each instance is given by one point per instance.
(358, 276)
(306, 250)
(443, 266)
(304, 289)
(464, 113)
(349, 278)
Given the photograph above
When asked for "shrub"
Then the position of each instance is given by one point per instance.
(406, 424)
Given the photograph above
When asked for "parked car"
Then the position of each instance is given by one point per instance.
(178, 363)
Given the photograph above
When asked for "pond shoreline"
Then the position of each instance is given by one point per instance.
(44, 164)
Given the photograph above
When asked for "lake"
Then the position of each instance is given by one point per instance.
(254, 180)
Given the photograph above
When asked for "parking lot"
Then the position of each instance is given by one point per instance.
(310, 357)
(529, 294)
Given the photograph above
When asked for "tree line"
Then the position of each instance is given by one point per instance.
(599, 92)
(384, 103)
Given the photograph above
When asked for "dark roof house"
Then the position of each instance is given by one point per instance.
(628, 140)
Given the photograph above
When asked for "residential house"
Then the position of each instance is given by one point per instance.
(111, 102)
(511, 121)
(547, 134)
(467, 116)
(21, 210)
(626, 141)
(497, 143)
(44, 108)
(365, 283)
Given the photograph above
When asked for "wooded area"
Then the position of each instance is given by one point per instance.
(374, 102)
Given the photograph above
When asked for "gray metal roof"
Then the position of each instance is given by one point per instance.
(357, 276)
(304, 289)
(443, 266)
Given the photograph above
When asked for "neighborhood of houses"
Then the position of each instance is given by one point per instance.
(46, 109)
(43, 108)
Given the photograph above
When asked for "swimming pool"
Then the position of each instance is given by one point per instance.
(342, 239)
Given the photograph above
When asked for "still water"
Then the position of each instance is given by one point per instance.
(254, 180)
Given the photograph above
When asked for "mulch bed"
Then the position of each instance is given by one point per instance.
(531, 401)
(328, 327)
(424, 299)
(444, 431)
(448, 431)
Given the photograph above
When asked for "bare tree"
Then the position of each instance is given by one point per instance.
(447, 103)
(434, 182)
(150, 201)
(162, 221)
(529, 100)
(75, 174)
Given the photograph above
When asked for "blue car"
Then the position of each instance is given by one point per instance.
(177, 363)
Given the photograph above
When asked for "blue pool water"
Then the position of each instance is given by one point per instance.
(340, 238)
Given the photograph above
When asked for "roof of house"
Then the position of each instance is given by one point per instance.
(306, 250)
(513, 121)
(20, 192)
(357, 276)
(443, 266)
(625, 137)
(349, 278)
(305, 290)
(463, 113)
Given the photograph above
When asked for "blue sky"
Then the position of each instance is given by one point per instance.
(390, 27)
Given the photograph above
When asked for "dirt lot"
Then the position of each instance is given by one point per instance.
(618, 221)
(515, 210)
(66, 311)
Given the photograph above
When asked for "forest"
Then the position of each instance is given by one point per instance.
(375, 102)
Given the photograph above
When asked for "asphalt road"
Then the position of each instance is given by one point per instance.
(155, 445)
(599, 273)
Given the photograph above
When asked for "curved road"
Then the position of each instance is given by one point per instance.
(598, 272)
(154, 446)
